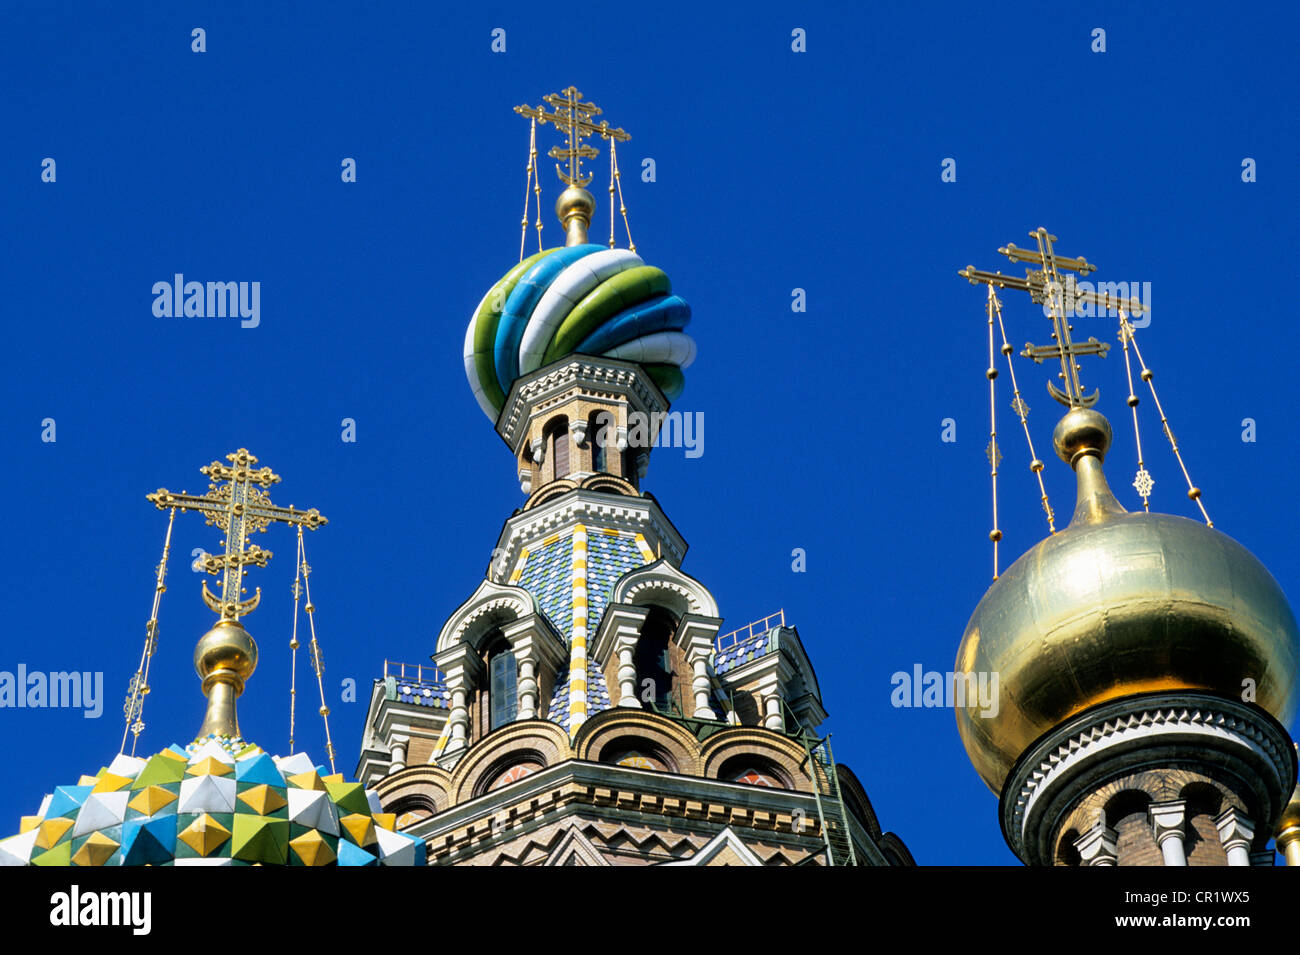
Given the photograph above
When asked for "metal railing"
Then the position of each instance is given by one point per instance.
(751, 630)
(424, 673)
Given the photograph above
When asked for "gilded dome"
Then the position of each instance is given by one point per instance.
(1117, 604)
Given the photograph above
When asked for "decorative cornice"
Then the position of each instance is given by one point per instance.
(1118, 736)
(586, 506)
(601, 374)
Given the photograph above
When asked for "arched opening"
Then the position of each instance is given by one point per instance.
(754, 771)
(558, 446)
(656, 683)
(503, 685)
(601, 436)
(638, 753)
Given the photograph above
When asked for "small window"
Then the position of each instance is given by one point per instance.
(600, 432)
(558, 433)
(653, 661)
(514, 774)
(503, 695)
(754, 777)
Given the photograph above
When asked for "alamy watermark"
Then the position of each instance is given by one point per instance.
(1073, 294)
(181, 299)
(658, 429)
(35, 689)
(930, 688)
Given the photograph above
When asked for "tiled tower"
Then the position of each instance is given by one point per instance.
(583, 706)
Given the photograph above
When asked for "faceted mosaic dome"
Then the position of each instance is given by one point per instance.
(218, 801)
(582, 299)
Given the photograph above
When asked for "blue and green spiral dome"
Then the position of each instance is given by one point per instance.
(582, 299)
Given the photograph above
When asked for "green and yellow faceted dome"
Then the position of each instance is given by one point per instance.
(218, 801)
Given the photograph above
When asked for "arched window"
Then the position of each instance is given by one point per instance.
(515, 773)
(503, 692)
(600, 432)
(753, 770)
(653, 661)
(557, 436)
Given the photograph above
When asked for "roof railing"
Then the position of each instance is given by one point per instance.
(751, 630)
(423, 672)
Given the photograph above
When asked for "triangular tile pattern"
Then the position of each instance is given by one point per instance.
(219, 801)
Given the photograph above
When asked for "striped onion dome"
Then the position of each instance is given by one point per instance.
(585, 299)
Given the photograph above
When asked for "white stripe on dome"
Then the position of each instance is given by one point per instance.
(471, 367)
(662, 348)
(564, 292)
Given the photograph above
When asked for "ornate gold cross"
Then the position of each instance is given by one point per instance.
(1045, 286)
(573, 115)
(239, 507)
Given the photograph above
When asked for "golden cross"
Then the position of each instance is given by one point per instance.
(574, 115)
(239, 508)
(1045, 286)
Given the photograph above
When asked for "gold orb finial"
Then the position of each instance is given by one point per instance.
(224, 659)
(1082, 431)
(575, 207)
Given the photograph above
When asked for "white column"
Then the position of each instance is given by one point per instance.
(695, 635)
(527, 690)
(620, 629)
(1167, 820)
(534, 646)
(627, 676)
(770, 689)
(460, 666)
(397, 753)
(1236, 832)
(1097, 845)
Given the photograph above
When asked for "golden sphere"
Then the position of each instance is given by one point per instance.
(575, 201)
(1128, 604)
(1080, 431)
(227, 646)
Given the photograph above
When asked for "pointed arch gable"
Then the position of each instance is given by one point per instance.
(489, 606)
(661, 584)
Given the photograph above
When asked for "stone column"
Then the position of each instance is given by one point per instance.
(534, 646)
(695, 635)
(1167, 820)
(1288, 843)
(620, 628)
(397, 753)
(1236, 832)
(460, 666)
(627, 675)
(1097, 845)
(771, 689)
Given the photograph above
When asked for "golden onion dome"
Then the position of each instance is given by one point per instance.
(1117, 604)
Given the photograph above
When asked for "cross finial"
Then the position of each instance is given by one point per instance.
(240, 507)
(575, 116)
(1046, 287)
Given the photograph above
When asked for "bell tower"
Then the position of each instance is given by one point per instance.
(585, 704)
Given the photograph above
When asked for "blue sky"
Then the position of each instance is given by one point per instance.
(775, 171)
